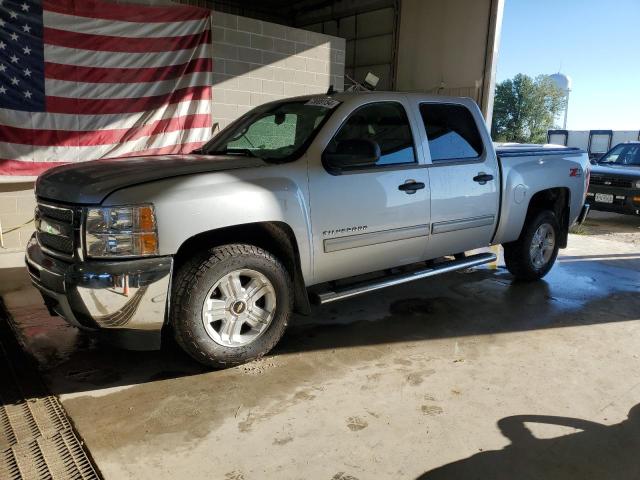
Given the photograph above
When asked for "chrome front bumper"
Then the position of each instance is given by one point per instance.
(127, 295)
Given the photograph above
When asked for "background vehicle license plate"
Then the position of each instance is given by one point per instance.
(604, 197)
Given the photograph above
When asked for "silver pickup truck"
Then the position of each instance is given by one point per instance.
(294, 203)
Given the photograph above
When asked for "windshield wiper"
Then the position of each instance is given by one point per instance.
(245, 152)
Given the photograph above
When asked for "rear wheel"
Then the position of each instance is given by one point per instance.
(231, 304)
(534, 253)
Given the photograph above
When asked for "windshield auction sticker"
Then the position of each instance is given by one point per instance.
(325, 102)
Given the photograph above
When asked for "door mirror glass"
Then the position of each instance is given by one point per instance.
(352, 153)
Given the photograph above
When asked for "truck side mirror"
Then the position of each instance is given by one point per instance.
(349, 154)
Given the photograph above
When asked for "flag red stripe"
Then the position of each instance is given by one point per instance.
(106, 43)
(27, 168)
(90, 106)
(74, 73)
(71, 138)
(125, 12)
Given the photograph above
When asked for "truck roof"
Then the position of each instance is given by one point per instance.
(385, 95)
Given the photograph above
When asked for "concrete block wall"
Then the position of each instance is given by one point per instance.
(17, 204)
(257, 62)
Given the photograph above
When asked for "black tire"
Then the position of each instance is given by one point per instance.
(193, 282)
(517, 255)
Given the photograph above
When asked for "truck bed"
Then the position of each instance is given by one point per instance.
(525, 149)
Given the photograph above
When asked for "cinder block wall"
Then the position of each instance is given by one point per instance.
(254, 62)
(17, 204)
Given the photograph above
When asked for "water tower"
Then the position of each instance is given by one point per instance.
(563, 82)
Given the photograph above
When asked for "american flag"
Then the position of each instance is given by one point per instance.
(88, 79)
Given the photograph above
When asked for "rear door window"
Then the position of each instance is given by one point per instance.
(451, 131)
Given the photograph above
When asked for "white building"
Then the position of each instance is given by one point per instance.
(595, 142)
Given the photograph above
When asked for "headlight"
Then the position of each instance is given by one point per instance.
(636, 184)
(121, 231)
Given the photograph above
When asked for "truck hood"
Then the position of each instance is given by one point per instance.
(626, 171)
(91, 182)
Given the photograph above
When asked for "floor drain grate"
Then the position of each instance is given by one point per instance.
(36, 439)
(39, 447)
(58, 457)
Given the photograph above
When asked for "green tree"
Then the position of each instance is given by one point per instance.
(525, 108)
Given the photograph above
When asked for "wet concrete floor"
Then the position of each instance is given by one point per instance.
(468, 375)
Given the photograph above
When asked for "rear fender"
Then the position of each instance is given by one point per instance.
(534, 182)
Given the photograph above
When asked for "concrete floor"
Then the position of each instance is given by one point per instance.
(468, 375)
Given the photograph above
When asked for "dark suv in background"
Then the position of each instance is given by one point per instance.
(615, 180)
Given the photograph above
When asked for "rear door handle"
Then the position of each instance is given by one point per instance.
(411, 186)
(483, 178)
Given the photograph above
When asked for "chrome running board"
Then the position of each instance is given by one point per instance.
(390, 281)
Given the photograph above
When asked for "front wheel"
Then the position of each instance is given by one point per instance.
(534, 253)
(231, 304)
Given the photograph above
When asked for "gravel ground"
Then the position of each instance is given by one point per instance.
(612, 226)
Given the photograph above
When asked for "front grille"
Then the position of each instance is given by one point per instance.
(56, 228)
(610, 181)
(56, 213)
(56, 242)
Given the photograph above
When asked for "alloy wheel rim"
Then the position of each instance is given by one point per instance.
(239, 308)
(542, 245)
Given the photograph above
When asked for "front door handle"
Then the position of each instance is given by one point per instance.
(411, 186)
(483, 178)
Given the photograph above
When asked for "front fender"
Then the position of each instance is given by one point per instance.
(187, 206)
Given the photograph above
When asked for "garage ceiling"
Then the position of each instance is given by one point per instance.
(278, 11)
(292, 12)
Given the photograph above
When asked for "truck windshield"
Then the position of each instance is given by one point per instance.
(274, 132)
(624, 154)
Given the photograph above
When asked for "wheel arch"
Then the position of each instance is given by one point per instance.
(556, 199)
(275, 237)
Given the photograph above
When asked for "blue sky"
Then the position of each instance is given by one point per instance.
(595, 42)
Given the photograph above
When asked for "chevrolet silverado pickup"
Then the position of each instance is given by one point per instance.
(615, 180)
(303, 200)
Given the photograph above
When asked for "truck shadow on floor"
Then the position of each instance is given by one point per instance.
(475, 302)
(596, 451)
(576, 292)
